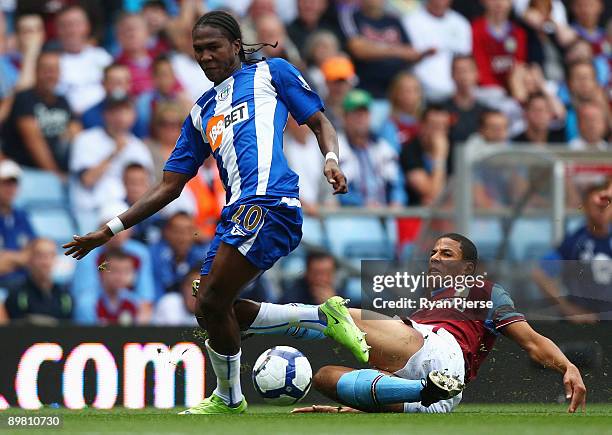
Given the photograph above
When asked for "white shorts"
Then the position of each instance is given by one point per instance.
(440, 352)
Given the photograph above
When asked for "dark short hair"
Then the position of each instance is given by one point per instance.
(134, 165)
(117, 254)
(177, 215)
(535, 96)
(317, 255)
(433, 108)
(487, 113)
(460, 57)
(468, 248)
(113, 66)
(159, 4)
(160, 59)
(75, 7)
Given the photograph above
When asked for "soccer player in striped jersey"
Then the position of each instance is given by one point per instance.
(240, 123)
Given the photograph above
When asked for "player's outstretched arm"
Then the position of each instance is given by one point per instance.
(328, 143)
(157, 198)
(545, 352)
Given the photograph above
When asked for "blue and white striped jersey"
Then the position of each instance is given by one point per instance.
(241, 122)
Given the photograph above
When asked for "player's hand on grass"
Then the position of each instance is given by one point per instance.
(335, 177)
(575, 391)
(81, 245)
(324, 409)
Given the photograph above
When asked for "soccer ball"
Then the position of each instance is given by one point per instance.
(282, 375)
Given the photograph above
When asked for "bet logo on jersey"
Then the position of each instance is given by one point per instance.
(217, 124)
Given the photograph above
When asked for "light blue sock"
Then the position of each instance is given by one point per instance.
(369, 389)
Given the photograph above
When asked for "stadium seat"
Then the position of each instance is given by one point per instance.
(486, 235)
(87, 221)
(392, 230)
(528, 234)
(312, 231)
(41, 189)
(53, 223)
(352, 290)
(353, 235)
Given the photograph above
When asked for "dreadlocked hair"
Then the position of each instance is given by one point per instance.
(231, 30)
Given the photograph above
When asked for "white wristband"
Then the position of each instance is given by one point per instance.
(331, 156)
(115, 225)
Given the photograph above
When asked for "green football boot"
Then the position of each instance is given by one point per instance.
(214, 405)
(341, 328)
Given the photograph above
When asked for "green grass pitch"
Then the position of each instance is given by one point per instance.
(471, 419)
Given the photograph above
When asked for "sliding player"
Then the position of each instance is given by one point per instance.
(240, 123)
(404, 352)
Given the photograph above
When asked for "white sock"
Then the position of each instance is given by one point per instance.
(278, 318)
(227, 369)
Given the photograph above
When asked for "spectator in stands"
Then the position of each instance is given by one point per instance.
(340, 78)
(548, 33)
(167, 91)
(157, 17)
(133, 37)
(538, 120)
(117, 80)
(464, 108)
(593, 127)
(436, 26)
(117, 304)
(41, 125)
(100, 155)
(499, 43)
(493, 129)
(310, 13)
(583, 87)
(166, 126)
(305, 159)
(137, 181)
(582, 264)
(527, 80)
(209, 197)
(176, 254)
(369, 162)
(19, 70)
(178, 308)
(318, 283)
(406, 100)
(319, 47)
(378, 44)
(82, 64)
(495, 185)
(270, 29)
(581, 51)
(38, 298)
(88, 286)
(424, 160)
(188, 72)
(8, 74)
(15, 228)
(587, 14)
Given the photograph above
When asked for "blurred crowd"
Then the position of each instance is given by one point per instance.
(95, 93)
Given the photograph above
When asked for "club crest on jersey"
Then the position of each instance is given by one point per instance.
(510, 45)
(217, 124)
(304, 83)
(222, 96)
